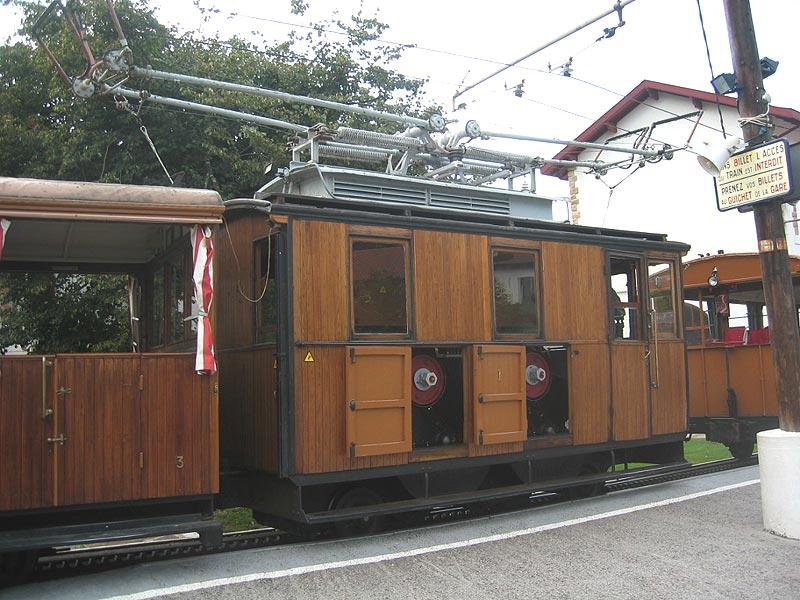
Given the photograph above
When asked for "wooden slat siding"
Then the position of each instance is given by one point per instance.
(716, 381)
(629, 392)
(100, 418)
(249, 412)
(590, 393)
(512, 243)
(451, 284)
(234, 319)
(753, 379)
(770, 385)
(698, 404)
(265, 456)
(26, 476)
(575, 292)
(320, 406)
(668, 400)
(320, 279)
(373, 231)
(180, 412)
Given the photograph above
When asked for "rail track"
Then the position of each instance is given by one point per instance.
(76, 561)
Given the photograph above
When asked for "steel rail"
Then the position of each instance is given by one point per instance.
(96, 558)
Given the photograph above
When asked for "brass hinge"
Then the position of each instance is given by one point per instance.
(480, 352)
(352, 355)
(141, 460)
(141, 382)
(480, 437)
(352, 450)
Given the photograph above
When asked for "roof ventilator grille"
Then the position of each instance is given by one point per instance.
(378, 193)
(485, 203)
(496, 205)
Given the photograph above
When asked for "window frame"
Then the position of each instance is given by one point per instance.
(386, 241)
(537, 292)
(255, 281)
(179, 249)
(640, 305)
(677, 303)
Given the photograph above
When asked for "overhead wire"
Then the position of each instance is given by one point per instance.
(710, 67)
(411, 46)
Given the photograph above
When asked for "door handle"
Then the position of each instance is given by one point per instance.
(46, 412)
(61, 438)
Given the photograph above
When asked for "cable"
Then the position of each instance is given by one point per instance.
(711, 67)
(239, 268)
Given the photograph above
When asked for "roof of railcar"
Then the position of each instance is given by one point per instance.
(734, 268)
(84, 201)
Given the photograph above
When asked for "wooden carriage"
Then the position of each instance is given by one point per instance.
(110, 445)
(558, 355)
(732, 388)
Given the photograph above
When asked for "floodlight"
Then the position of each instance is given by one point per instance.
(725, 83)
(713, 157)
(768, 67)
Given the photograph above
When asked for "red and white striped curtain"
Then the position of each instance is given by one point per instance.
(203, 277)
(4, 225)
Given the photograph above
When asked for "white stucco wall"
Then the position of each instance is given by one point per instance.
(674, 197)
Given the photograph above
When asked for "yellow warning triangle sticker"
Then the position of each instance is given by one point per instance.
(309, 357)
(383, 290)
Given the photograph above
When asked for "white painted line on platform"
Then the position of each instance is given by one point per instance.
(212, 583)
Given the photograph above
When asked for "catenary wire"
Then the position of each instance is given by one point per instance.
(710, 67)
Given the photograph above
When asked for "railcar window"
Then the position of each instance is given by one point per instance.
(265, 288)
(516, 303)
(661, 284)
(177, 297)
(379, 286)
(157, 308)
(172, 299)
(695, 323)
(624, 299)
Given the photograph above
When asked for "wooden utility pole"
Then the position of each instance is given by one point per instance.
(772, 246)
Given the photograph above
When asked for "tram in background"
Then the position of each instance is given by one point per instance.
(732, 388)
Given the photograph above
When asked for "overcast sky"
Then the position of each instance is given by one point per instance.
(661, 40)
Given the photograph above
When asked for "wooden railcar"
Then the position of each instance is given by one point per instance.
(732, 388)
(379, 349)
(105, 445)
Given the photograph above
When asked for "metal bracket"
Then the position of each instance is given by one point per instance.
(61, 438)
(46, 412)
(62, 391)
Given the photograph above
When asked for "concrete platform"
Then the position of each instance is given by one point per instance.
(700, 538)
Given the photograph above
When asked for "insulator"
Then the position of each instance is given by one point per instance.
(480, 170)
(373, 138)
(484, 154)
(370, 156)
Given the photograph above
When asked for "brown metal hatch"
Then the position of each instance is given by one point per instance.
(378, 383)
(499, 402)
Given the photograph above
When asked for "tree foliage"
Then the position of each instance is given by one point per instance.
(46, 132)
